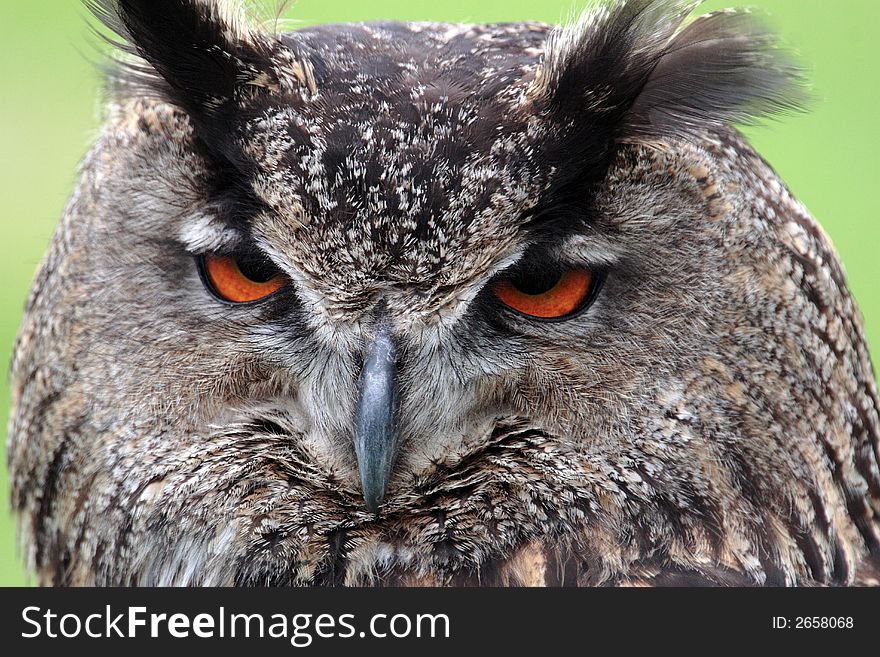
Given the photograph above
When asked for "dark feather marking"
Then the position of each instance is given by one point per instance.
(812, 552)
(267, 426)
(46, 546)
(842, 568)
(332, 571)
(46, 402)
(82, 496)
(60, 567)
(678, 576)
(868, 458)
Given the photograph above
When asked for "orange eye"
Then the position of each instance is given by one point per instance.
(547, 296)
(240, 280)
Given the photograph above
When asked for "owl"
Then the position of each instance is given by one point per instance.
(421, 304)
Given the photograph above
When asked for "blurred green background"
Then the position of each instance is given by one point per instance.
(50, 110)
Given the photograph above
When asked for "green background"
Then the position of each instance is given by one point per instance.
(50, 110)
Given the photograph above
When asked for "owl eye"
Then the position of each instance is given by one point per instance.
(547, 294)
(241, 279)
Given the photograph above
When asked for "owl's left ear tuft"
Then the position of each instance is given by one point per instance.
(636, 70)
(201, 55)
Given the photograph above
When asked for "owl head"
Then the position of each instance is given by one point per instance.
(431, 303)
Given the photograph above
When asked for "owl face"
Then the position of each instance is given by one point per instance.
(424, 303)
(404, 212)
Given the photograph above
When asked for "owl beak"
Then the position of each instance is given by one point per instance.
(375, 438)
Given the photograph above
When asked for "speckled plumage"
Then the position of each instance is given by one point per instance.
(712, 418)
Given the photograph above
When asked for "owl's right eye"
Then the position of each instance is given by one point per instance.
(241, 279)
(548, 293)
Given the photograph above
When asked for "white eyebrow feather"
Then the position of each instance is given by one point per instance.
(591, 250)
(204, 233)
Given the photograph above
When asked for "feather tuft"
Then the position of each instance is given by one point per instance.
(637, 67)
(201, 55)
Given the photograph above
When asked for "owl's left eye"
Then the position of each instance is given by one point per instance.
(241, 278)
(549, 294)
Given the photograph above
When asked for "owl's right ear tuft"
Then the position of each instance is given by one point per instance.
(638, 69)
(200, 55)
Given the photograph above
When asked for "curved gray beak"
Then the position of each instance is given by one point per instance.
(375, 436)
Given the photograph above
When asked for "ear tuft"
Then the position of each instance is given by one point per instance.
(198, 54)
(634, 69)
